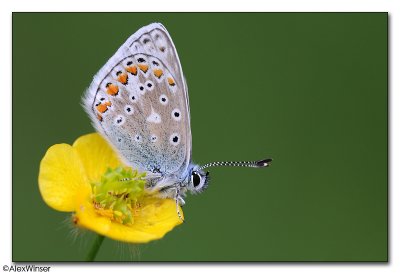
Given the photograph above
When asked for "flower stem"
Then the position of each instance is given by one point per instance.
(95, 248)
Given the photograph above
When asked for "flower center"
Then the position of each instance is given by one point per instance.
(117, 195)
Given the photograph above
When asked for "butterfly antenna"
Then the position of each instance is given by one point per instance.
(257, 164)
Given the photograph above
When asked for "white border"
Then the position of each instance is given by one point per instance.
(391, 6)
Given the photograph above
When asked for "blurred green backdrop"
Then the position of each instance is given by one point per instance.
(308, 89)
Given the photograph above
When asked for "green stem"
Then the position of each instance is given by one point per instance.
(95, 248)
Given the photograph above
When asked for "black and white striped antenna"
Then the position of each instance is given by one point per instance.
(256, 164)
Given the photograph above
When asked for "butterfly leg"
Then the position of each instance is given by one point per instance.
(181, 201)
(178, 198)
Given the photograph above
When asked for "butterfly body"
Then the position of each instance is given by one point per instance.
(139, 102)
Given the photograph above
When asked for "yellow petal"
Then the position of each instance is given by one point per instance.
(155, 218)
(62, 178)
(96, 155)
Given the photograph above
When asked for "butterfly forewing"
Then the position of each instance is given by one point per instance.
(138, 101)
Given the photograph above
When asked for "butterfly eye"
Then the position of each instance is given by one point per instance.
(197, 181)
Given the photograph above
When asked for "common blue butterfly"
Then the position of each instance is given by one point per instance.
(139, 102)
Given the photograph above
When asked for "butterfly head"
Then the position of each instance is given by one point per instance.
(198, 181)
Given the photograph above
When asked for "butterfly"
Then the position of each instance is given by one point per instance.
(139, 102)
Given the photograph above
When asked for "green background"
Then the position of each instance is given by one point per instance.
(309, 90)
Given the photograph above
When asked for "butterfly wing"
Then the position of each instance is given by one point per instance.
(138, 101)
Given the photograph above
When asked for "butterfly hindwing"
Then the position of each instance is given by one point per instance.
(138, 101)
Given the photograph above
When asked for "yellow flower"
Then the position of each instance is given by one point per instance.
(77, 179)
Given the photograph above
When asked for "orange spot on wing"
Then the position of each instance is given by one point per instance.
(123, 78)
(103, 108)
(99, 117)
(112, 89)
(158, 72)
(143, 67)
(132, 70)
(171, 81)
